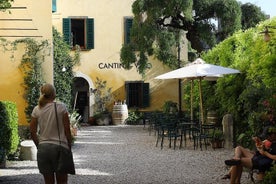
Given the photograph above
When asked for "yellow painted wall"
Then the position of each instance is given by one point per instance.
(109, 34)
(39, 12)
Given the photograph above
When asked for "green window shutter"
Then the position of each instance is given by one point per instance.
(128, 25)
(146, 95)
(54, 6)
(89, 33)
(66, 30)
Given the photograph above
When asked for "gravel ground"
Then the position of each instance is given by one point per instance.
(127, 154)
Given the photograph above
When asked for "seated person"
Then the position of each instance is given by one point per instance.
(244, 158)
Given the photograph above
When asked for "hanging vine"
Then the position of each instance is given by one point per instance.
(31, 67)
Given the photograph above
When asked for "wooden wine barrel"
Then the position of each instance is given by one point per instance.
(119, 114)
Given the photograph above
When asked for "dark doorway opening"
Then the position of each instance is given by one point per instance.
(81, 97)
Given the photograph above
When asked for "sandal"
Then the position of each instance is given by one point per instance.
(226, 176)
(232, 162)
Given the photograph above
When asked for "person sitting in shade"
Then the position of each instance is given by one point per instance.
(244, 157)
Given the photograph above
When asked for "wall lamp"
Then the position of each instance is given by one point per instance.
(266, 33)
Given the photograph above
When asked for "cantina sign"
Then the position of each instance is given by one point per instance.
(117, 65)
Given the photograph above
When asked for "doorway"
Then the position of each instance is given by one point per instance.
(83, 96)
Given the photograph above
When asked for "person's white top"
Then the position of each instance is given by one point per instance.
(47, 123)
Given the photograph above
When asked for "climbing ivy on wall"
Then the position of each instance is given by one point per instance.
(31, 66)
(64, 62)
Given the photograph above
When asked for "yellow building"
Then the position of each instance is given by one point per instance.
(26, 19)
(100, 28)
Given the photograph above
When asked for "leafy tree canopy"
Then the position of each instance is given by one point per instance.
(251, 15)
(157, 25)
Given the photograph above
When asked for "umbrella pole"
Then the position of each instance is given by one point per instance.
(201, 103)
(179, 98)
(192, 112)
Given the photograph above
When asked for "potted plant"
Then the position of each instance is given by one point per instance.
(75, 119)
(170, 107)
(133, 117)
(218, 139)
(103, 96)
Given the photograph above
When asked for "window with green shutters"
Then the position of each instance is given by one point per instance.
(79, 31)
(137, 94)
(127, 26)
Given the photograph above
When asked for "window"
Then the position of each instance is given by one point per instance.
(127, 26)
(54, 6)
(137, 93)
(79, 31)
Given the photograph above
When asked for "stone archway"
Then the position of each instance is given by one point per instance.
(83, 95)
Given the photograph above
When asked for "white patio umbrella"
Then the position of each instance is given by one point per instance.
(200, 70)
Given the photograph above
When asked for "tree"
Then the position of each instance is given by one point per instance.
(251, 15)
(251, 95)
(157, 24)
(63, 80)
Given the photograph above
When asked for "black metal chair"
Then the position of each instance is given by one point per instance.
(168, 129)
(185, 126)
(202, 134)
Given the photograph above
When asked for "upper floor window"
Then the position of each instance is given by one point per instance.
(54, 6)
(79, 31)
(137, 94)
(127, 27)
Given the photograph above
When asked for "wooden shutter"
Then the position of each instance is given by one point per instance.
(66, 30)
(89, 33)
(128, 25)
(137, 94)
(54, 6)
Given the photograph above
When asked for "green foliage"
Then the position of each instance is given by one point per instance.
(170, 107)
(32, 59)
(5, 130)
(75, 119)
(103, 96)
(243, 95)
(5, 4)
(31, 66)
(248, 20)
(218, 135)
(270, 176)
(150, 36)
(133, 117)
(157, 25)
(8, 128)
(63, 59)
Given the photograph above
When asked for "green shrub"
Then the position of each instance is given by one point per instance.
(133, 117)
(9, 138)
(270, 177)
(5, 132)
